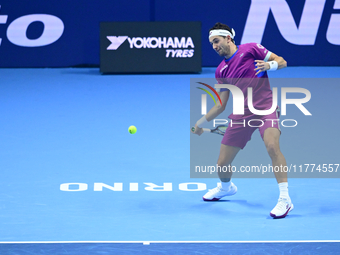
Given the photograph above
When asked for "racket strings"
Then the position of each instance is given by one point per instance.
(221, 130)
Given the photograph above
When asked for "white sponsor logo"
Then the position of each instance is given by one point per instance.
(116, 41)
(225, 67)
(133, 186)
(157, 42)
(179, 53)
(303, 34)
(17, 30)
(260, 46)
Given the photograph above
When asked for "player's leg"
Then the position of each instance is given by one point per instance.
(225, 187)
(234, 139)
(271, 138)
(226, 157)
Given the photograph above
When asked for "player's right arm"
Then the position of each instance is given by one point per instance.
(215, 111)
(218, 108)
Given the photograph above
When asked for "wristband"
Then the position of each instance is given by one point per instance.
(201, 121)
(273, 65)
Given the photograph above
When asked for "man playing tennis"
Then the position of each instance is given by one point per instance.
(245, 66)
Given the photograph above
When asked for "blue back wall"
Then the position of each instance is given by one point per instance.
(305, 33)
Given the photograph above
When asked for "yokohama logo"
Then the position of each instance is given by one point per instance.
(116, 41)
(150, 42)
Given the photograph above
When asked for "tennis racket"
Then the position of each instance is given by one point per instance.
(220, 130)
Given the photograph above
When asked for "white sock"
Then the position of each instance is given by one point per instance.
(283, 186)
(225, 185)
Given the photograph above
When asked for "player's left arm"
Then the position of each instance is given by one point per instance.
(274, 62)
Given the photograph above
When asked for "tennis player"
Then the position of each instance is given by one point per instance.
(246, 66)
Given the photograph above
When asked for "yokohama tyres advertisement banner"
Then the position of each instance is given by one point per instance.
(150, 47)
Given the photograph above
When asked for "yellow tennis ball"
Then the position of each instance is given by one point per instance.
(132, 130)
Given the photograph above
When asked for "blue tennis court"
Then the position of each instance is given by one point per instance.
(74, 181)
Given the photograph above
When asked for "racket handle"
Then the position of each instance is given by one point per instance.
(204, 129)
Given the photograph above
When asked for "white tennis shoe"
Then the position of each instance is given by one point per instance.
(217, 193)
(282, 208)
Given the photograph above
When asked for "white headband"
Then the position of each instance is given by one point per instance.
(222, 32)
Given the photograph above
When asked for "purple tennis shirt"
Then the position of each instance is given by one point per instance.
(239, 70)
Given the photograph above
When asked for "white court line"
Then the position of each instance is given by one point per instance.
(165, 242)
